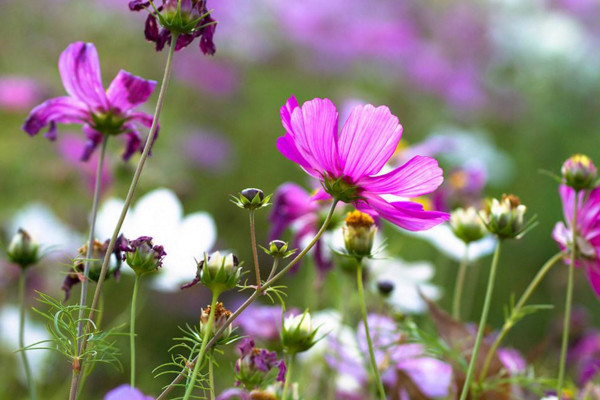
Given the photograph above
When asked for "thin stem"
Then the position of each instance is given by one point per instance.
(460, 283)
(211, 376)
(254, 250)
(132, 328)
(516, 310)
(90, 249)
(253, 297)
(26, 367)
(274, 267)
(207, 329)
(132, 188)
(363, 306)
(288, 376)
(568, 301)
(482, 322)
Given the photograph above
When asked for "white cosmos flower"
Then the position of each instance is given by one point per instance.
(159, 214)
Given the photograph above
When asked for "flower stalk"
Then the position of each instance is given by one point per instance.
(254, 249)
(132, 328)
(460, 283)
(288, 376)
(26, 367)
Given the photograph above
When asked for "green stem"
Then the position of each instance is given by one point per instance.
(254, 250)
(568, 301)
(211, 376)
(274, 267)
(252, 298)
(26, 367)
(198, 361)
(363, 306)
(516, 310)
(460, 283)
(132, 328)
(130, 193)
(482, 323)
(288, 376)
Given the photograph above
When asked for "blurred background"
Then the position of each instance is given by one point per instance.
(504, 87)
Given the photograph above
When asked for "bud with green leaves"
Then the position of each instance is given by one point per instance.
(505, 217)
(251, 199)
(143, 256)
(579, 172)
(278, 249)
(359, 234)
(217, 272)
(23, 250)
(297, 333)
(467, 225)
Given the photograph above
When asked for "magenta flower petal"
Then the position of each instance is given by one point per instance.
(367, 140)
(80, 72)
(94, 138)
(65, 110)
(593, 274)
(287, 147)
(406, 214)
(126, 392)
(314, 130)
(141, 117)
(420, 175)
(127, 91)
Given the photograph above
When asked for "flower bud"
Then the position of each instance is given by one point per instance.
(251, 199)
(23, 250)
(142, 256)
(278, 249)
(579, 172)
(220, 319)
(385, 288)
(256, 367)
(505, 217)
(359, 234)
(218, 273)
(467, 225)
(297, 334)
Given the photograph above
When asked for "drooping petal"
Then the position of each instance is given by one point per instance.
(94, 138)
(141, 117)
(593, 274)
(133, 141)
(561, 235)
(368, 139)
(127, 91)
(80, 72)
(406, 214)
(420, 175)
(314, 131)
(207, 45)
(64, 110)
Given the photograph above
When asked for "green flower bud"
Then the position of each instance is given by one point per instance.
(467, 225)
(278, 249)
(505, 217)
(579, 172)
(23, 250)
(359, 234)
(251, 199)
(218, 273)
(297, 333)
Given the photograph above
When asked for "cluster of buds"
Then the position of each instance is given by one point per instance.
(505, 218)
(96, 260)
(217, 272)
(359, 234)
(220, 318)
(297, 333)
(23, 250)
(142, 256)
(579, 172)
(257, 368)
(467, 225)
(278, 249)
(251, 199)
(188, 19)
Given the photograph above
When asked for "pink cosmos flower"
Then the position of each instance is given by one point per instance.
(101, 112)
(587, 228)
(349, 163)
(126, 392)
(18, 93)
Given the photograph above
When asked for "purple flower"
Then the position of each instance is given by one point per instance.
(255, 367)
(261, 322)
(18, 93)
(587, 229)
(101, 112)
(349, 163)
(126, 392)
(191, 19)
(142, 255)
(463, 188)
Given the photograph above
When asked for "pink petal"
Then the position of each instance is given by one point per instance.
(127, 91)
(142, 118)
(287, 147)
(314, 131)
(406, 214)
(593, 274)
(367, 140)
(64, 110)
(420, 175)
(561, 235)
(80, 72)
(286, 113)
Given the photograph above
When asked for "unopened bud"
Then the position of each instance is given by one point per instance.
(385, 287)
(251, 199)
(23, 250)
(467, 225)
(505, 217)
(278, 249)
(579, 172)
(297, 333)
(359, 234)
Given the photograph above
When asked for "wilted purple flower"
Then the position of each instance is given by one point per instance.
(126, 392)
(190, 19)
(255, 366)
(101, 112)
(18, 93)
(142, 255)
(587, 227)
(349, 163)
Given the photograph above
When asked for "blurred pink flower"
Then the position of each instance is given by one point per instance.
(213, 76)
(126, 392)
(209, 151)
(18, 93)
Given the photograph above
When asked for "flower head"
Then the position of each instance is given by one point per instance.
(217, 272)
(587, 241)
(349, 163)
(142, 255)
(297, 333)
(101, 112)
(579, 172)
(220, 318)
(467, 225)
(359, 234)
(505, 217)
(188, 19)
(256, 367)
(23, 250)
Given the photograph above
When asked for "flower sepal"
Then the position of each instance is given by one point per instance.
(218, 273)
(340, 189)
(23, 249)
(142, 255)
(182, 17)
(251, 199)
(467, 225)
(297, 333)
(505, 218)
(278, 249)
